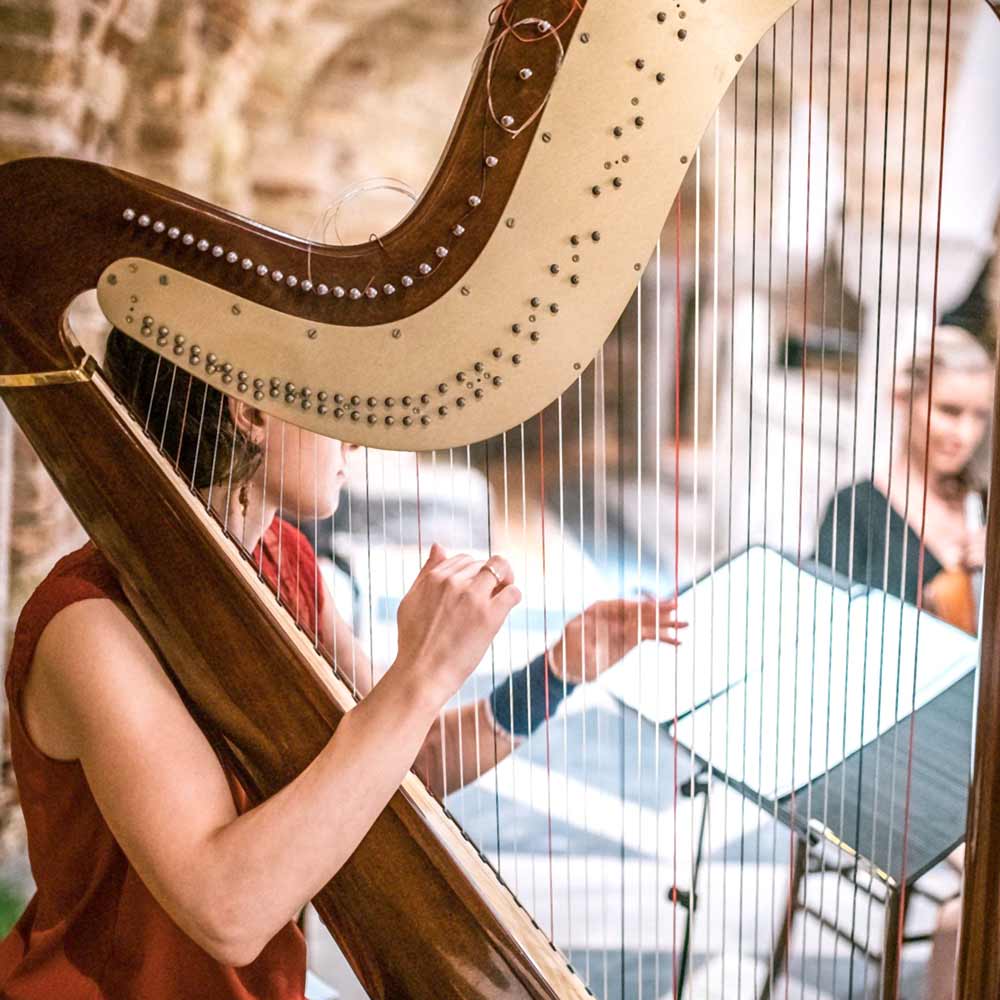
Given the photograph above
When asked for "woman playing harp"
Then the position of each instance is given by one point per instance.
(154, 877)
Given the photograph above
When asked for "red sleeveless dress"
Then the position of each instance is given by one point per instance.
(93, 931)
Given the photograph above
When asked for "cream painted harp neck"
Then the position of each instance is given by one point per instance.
(494, 293)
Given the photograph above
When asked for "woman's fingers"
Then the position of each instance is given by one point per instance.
(665, 628)
(492, 576)
(635, 620)
(435, 557)
(505, 600)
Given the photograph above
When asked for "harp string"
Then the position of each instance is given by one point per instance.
(184, 418)
(730, 537)
(848, 76)
(836, 451)
(930, 396)
(223, 402)
(678, 356)
(585, 727)
(562, 666)
(638, 586)
(547, 672)
(459, 755)
(527, 645)
(601, 548)
(493, 656)
(802, 466)
(368, 554)
(215, 458)
(354, 623)
(383, 656)
(515, 799)
(200, 435)
(909, 421)
(658, 417)
(473, 544)
(749, 508)
(620, 460)
(884, 581)
(786, 917)
(435, 516)
(696, 480)
(709, 796)
(315, 537)
(772, 131)
(868, 563)
(152, 395)
(263, 514)
(892, 427)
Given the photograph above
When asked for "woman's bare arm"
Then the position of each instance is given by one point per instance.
(231, 882)
(465, 743)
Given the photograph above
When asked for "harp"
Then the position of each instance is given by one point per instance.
(476, 332)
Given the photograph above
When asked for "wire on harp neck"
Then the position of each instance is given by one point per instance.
(317, 235)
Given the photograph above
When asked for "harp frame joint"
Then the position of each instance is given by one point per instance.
(35, 379)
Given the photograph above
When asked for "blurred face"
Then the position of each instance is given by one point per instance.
(305, 471)
(959, 416)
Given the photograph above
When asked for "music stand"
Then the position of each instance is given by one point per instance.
(847, 811)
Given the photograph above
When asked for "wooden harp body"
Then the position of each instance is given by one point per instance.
(469, 318)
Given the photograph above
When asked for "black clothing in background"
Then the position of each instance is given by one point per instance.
(871, 555)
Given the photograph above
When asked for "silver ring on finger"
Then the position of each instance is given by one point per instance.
(491, 570)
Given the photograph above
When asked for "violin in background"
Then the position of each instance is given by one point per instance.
(956, 594)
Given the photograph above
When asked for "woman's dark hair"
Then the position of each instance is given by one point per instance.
(190, 420)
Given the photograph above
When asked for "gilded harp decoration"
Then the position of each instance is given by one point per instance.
(714, 409)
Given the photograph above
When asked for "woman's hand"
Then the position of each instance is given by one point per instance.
(448, 619)
(606, 631)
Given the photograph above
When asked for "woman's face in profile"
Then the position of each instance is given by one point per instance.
(305, 471)
(959, 415)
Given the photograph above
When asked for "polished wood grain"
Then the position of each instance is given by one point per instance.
(979, 957)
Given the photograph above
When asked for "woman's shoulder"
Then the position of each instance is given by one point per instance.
(861, 495)
(74, 625)
(82, 575)
(857, 496)
(78, 575)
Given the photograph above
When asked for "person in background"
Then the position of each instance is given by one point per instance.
(934, 486)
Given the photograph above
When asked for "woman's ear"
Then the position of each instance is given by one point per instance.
(248, 419)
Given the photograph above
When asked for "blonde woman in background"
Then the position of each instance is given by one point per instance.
(872, 529)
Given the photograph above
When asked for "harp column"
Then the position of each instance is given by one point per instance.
(978, 970)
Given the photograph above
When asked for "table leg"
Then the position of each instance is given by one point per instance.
(890, 944)
(702, 790)
(780, 955)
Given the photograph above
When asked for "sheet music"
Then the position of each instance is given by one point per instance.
(841, 669)
(727, 632)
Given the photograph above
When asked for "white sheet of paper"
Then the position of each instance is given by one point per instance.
(839, 672)
(751, 604)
